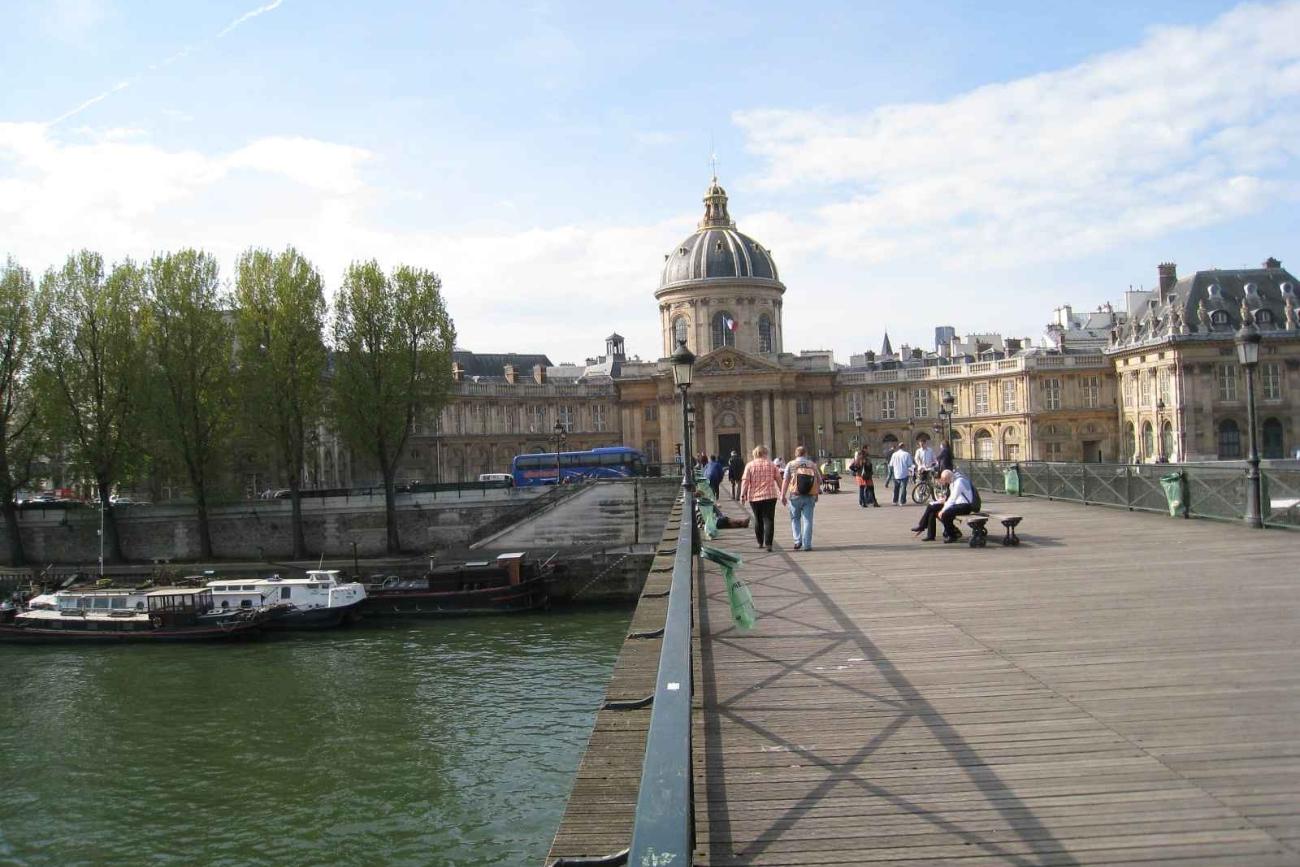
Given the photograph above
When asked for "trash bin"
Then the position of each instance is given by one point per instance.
(1175, 485)
(1011, 478)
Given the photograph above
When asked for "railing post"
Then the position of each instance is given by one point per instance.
(1128, 486)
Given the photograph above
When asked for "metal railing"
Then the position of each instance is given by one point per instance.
(1210, 491)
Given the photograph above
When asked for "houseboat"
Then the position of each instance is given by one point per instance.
(125, 615)
(317, 600)
(508, 583)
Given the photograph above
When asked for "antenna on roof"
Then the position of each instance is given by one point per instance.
(713, 157)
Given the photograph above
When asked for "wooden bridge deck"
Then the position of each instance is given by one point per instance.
(1122, 688)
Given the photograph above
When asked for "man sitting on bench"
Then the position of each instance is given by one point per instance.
(960, 502)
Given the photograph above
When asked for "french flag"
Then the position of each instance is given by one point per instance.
(730, 323)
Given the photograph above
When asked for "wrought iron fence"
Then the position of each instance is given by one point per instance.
(1209, 491)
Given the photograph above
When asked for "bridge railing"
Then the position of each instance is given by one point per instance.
(1212, 491)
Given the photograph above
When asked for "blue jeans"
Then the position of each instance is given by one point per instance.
(900, 491)
(801, 519)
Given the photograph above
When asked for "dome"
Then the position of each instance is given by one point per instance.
(716, 251)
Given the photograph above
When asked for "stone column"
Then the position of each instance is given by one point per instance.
(767, 434)
(710, 442)
(750, 442)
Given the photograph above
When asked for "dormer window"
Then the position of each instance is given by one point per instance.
(1263, 317)
(1219, 317)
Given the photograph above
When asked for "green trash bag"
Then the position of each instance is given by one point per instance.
(710, 514)
(1011, 479)
(1175, 485)
(743, 613)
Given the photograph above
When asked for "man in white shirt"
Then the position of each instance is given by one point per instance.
(924, 455)
(960, 501)
(900, 467)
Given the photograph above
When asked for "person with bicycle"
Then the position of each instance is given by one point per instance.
(923, 467)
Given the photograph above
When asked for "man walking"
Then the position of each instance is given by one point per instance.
(713, 471)
(735, 470)
(802, 482)
(900, 467)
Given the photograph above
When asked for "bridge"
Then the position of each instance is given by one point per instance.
(1122, 688)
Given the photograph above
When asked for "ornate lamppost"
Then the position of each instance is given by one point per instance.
(559, 437)
(821, 451)
(945, 415)
(1247, 340)
(857, 421)
(1161, 457)
(683, 362)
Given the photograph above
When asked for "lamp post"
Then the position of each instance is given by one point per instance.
(559, 437)
(1247, 340)
(821, 452)
(945, 414)
(683, 362)
(857, 421)
(1161, 457)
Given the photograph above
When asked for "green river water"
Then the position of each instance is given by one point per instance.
(424, 743)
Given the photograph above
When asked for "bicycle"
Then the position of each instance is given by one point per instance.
(924, 489)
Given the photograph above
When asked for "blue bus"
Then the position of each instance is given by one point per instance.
(610, 462)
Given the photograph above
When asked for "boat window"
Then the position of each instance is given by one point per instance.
(225, 603)
(139, 606)
(69, 601)
(247, 603)
(119, 602)
(285, 591)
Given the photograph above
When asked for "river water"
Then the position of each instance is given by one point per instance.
(447, 742)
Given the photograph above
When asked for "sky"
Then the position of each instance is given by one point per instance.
(908, 164)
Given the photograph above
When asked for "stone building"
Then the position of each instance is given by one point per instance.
(1182, 390)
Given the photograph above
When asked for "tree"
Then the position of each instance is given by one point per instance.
(393, 341)
(191, 358)
(92, 369)
(20, 439)
(279, 319)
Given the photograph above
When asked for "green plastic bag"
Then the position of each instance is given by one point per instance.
(1175, 493)
(1011, 479)
(743, 613)
(710, 514)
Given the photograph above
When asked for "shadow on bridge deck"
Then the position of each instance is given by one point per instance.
(1121, 688)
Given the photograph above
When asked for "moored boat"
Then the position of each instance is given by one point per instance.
(124, 615)
(318, 600)
(510, 583)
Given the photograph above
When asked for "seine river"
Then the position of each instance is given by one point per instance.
(433, 743)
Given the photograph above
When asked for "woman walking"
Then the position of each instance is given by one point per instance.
(760, 486)
(866, 485)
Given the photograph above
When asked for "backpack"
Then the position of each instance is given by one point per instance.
(803, 480)
(975, 503)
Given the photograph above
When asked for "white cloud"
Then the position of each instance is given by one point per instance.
(1191, 127)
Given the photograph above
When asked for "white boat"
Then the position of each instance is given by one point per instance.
(317, 600)
(114, 615)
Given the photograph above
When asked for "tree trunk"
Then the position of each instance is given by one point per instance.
(112, 544)
(390, 509)
(299, 537)
(205, 531)
(17, 557)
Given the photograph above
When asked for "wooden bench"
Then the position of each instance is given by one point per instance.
(979, 534)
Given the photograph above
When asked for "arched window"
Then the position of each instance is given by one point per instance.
(1229, 440)
(679, 329)
(1167, 440)
(984, 446)
(1130, 442)
(1271, 434)
(723, 330)
(764, 333)
(1148, 440)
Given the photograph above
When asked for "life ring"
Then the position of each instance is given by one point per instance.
(155, 620)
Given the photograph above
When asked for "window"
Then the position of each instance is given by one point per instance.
(598, 417)
(1052, 451)
(982, 399)
(652, 412)
(679, 329)
(564, 415)
(853, 404)
(1164, 388)
(802, 406)
(1271, 379)
(652, 451)
(1148, 388)
(1130, 442)
(1272, 439)
(1091, 391)
(921, 402)
(764, 333)
(1129, 388)
(1052, 393)
(1008, 395)
(723, 330)
(1167, 440)
(1229, 440)
(1148, 440)
(889, 403)
(1227, 382)
(1219, 317)
(538, 424)
(984, 446)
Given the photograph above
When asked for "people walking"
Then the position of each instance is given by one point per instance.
(861, 468)
(802, 481)
(735, 469)
(900, 467)
(714, 471)
(760, 486)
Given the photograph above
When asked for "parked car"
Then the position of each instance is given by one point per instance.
(500, 478)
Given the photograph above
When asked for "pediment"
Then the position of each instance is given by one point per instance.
(730, 361)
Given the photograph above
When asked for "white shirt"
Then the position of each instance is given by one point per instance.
(925, 457)
(900, 463)
(959, 492)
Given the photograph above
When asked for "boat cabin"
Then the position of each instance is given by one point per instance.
(178, 606)
(319, 588)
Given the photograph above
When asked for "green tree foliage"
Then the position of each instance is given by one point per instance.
(279, 319)
(92, 370)
(191, 354)
(20, 439)
(393, 340)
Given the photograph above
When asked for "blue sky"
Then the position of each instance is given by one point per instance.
(909, 164)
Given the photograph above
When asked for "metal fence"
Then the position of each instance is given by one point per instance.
(1210, 491)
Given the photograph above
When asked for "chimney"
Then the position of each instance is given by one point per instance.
(1272, 263)
(457, 371)
(539, 374)
(512, 375)
(1168, 277)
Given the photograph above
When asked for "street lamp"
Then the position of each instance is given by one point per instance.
(945, 414)
(821, 452)
(857, 421)
(559, 437)
(683, 362)
(1247, 340)
(1161, 457)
